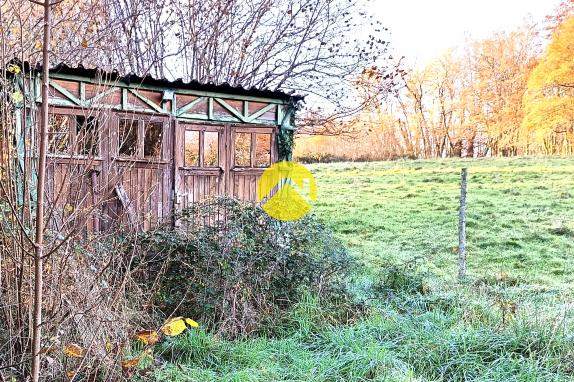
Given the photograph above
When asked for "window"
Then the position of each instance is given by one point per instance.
(86, 133)
(243, 149)
(262, 150)
(210, 148)
(140, 139)
(201, 148)
(128, 137)
(73, 134)
(152, 140)
(59, 134)
(252, 149)
(191, 148)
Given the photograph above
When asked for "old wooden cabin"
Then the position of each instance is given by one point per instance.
(131, 151)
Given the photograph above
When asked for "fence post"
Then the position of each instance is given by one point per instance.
(462, 226)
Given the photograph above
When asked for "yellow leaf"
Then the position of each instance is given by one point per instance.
(71, 373)
(192, 323)
(38, 44)
(73, 350)
(84, 43)
(148, 337)
(130, 363)
(173, 327)
(68, 207)
(13, 68)
(109, 346)
(17, 96)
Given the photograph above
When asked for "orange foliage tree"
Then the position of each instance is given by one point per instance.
(548, 124)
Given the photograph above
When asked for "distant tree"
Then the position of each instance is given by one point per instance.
(564, 10)
(500, 69)
(549, 101)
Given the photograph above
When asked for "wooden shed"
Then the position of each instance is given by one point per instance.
(132, 151)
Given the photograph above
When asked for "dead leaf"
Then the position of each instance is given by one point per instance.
(129, 364)
(84, 43)
(73, 350)
(38, 45)
(148, 337)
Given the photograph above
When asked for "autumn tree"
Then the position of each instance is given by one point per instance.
(549, 101)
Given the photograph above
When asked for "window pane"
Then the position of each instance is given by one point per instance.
(243, 149)
(210, 148)
(128, 137)
(87, 135)
(262, 150)
(191, 148)
(59, 134)
(152, 140)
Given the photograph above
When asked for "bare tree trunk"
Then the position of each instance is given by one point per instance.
(39, 237)
(462, 227)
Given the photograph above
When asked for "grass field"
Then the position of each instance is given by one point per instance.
(511, 321)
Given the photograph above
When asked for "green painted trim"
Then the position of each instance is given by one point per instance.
(61, 102)
(188, 106)
(101, 95)
(218, 119)
(279, 115)
(149, 102)
(159, 88)
(230, 109)
(259, 113)
(66, 93)
(124, 98)
(38, 93)
(236, 116)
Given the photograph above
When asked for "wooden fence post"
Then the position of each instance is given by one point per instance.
(462, 226)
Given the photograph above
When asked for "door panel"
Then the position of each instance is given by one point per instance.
(200, 163)
(236, 173)
(141, 181)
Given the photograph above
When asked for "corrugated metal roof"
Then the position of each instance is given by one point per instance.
(131, 79)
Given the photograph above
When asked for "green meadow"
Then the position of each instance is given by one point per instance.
(511, 320)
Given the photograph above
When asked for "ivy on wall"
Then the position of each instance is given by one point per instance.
(286, 135)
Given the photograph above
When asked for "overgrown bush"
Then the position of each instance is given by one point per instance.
(230, 264)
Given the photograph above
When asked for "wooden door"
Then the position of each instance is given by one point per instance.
(201, 162)
(252, 150)
(75, 155)
(140, 176)
(214, 160)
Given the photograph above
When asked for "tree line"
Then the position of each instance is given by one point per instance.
(509, 94)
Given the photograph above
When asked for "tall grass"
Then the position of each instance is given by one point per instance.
(512, 321)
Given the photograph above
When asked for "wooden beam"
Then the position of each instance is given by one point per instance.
(190, 105)
(178, 91)
(126, 204)
(259, 113)
(147, 101)
(230, 109)
(66, 93)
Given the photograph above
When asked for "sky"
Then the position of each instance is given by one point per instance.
(421, 30)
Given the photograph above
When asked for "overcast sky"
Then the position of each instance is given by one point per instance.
(423, 29)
